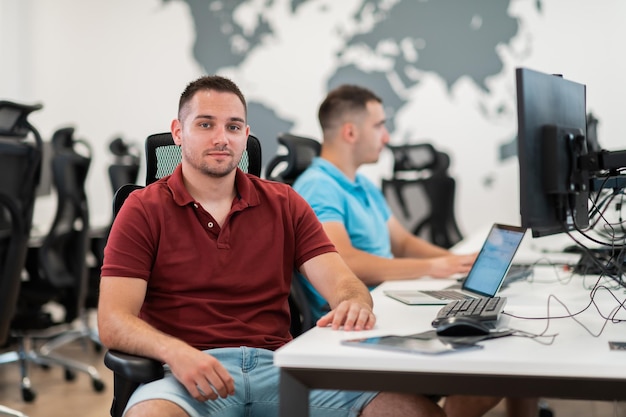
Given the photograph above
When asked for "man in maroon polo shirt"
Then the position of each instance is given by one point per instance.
(197, 272)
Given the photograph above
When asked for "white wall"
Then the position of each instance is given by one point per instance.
(117, 67)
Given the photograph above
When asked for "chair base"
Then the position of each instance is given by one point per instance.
(6, 411)
(28, 351)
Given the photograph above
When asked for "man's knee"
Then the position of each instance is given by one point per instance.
(155, 408)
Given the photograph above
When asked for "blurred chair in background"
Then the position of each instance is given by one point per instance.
(20, 164)
(300, 152)
(421, 193)
(125, 167)
(57, 272)
(123, 170)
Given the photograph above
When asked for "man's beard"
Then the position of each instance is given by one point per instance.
(215, 171)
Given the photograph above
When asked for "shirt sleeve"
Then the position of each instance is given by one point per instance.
(130, 246)
(324, 196)
(311, 239)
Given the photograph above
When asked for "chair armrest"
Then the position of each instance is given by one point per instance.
(132, 367)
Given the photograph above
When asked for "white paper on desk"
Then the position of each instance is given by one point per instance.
(424, 343)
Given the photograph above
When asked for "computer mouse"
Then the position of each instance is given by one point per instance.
(461, 326)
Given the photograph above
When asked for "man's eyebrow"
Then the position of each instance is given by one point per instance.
(204, 116)
(209, 117)
(238, 119)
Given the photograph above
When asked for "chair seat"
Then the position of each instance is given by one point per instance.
(32, 320)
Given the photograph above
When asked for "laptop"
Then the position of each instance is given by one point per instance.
(485, 277)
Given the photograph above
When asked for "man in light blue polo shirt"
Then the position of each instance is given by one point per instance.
(353, 210)
(357, 205)
(358, 221)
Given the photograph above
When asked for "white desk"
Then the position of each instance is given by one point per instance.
(577, 365)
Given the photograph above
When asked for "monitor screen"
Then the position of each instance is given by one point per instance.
(552, 126)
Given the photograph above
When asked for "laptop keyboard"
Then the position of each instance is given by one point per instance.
(484, 309)
(447, 294)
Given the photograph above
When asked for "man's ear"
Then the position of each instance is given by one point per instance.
(348, 132)
(175, 128)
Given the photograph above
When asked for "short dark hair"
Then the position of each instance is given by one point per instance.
(342, 100)
(210, 82)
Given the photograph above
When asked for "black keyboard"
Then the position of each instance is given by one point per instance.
(483, 309)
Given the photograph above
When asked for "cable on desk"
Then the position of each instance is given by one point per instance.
(607, 319)
(535, 336)
(558, 267)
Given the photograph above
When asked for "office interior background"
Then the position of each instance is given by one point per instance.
(445, 69)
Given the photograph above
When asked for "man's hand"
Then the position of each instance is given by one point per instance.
(202, 375)
(352, 315)
(446, 266)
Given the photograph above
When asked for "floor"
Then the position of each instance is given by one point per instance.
(58, 398)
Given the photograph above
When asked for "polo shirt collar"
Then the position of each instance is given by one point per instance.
(247, 194)
(336, 174)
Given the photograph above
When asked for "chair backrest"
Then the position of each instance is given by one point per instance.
(286, 168)
(163, 155)
(299, 308)
(62, 256)
(418, 158)
(20, 164)
(421, 193)
(125, 168)
(300, 152)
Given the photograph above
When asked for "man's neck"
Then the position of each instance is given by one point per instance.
(339, 160)
(204, 188)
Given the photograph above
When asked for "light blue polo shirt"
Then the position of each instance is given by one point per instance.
(359, 205)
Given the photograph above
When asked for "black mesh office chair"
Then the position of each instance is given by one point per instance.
(13, 247)
(57, 272)
(20, 164)
(421, 193)
(123, 170)
(287, 168)
(300, 309)
(125, 167)
(162, 157)
(300, 152)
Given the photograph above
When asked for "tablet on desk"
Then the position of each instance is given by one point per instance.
(425, 343)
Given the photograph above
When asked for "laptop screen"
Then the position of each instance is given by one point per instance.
(494, 260)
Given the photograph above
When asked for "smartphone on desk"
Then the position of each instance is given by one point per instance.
(424, 343)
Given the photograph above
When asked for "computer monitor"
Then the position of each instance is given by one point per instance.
(552, 122)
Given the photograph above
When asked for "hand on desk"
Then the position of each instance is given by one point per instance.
(352, 315)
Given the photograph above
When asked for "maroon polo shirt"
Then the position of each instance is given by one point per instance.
(212, 286)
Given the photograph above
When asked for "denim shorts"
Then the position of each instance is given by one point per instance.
(256, 390)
